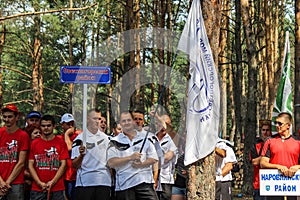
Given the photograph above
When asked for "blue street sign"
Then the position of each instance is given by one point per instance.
(85, 74)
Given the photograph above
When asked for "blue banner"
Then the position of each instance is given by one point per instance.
(85, 74)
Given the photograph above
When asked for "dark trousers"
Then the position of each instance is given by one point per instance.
(256, 196)
(143, 191)
(166, 192)
(281, 198)
(223, 190)
(93, 193)
(70, 189)
(57, 195)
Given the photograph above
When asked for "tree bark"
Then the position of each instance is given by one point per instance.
(202, 177)
(250, 126)
(297, 67)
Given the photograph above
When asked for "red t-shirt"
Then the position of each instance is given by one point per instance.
(71, 171)
(283, 152)
(47, 156)
(255, 153)
(11, 144)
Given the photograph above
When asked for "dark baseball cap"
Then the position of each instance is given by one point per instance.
(34, 114)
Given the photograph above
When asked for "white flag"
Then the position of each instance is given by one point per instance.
(203, 107)
(284, 97)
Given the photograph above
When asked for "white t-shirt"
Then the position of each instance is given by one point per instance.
(220, 162)
(126, 175)
(93, 170)
(166, 169)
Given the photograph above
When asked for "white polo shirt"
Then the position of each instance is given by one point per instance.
(93, 170)
(166, 169)
(220, 162)
(126, 175)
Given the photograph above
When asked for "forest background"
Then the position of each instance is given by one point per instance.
(138, 39)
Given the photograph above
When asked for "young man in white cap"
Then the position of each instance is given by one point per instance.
(69, 134)
(14, 146)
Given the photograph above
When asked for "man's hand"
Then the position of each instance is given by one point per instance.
(292, 170)
(43, 186)
(283, 169)
(70, 131)
(136, 156)
(82, 150)
(137, 164)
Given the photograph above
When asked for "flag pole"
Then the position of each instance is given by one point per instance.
(166, 83)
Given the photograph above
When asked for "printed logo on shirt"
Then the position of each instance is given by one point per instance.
(49, 160)
(9, 153)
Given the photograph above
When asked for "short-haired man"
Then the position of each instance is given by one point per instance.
(93, 176)
(265, 132)
(103, 124)
(33, 117)
(224, 165)
(282, 151)
(167, 152)
(138, 118)
(47, 163)
(134, 178)
(14, 146)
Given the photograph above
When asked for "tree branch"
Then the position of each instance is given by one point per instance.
(45, 12)
(15, 70)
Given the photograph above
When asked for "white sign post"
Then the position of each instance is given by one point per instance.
(85, 75)
(274, 183)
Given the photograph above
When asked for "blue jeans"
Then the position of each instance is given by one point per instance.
(70, 189)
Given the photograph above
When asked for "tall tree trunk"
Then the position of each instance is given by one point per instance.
(37, 57)
(2, 42)
(251, 95)
(297, 67)
(71, 85)
(224, 35)
(138, 55)
(202, 176)
(238, 71)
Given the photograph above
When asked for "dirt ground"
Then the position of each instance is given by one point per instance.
(237, 195)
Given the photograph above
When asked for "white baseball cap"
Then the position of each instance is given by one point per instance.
(67, 117)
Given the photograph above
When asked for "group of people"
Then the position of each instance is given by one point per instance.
(131, 163)
(279, 151)
(134, 162)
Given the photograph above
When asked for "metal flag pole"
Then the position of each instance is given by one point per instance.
(166, 83)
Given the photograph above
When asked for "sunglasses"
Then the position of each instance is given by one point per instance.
(138, 119)
(279, 123)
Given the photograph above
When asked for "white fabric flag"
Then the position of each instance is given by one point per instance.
(203, 106)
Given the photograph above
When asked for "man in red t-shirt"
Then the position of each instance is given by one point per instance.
(282, 152)
(14, 145)
(255, 157)
(47, 163)
(67, 123)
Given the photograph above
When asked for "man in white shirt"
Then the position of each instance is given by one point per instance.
(93, 176)
(224, 166)
(167, 152)
(134, 179)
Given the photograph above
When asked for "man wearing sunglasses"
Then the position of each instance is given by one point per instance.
(282, 151)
